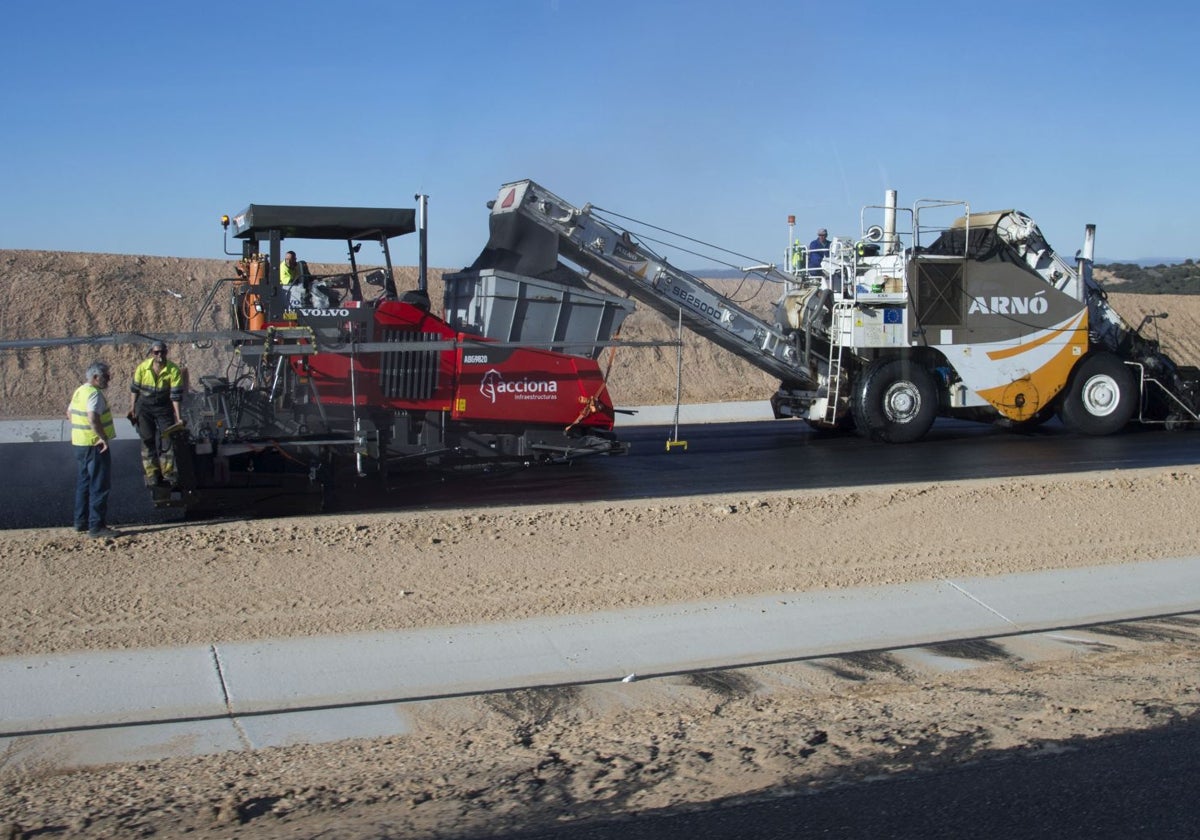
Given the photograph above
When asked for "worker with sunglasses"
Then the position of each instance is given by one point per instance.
(157, 396)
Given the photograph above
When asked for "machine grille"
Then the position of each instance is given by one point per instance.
(940, 292)
(409, 374)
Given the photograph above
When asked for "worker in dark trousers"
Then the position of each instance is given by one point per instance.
(91, 432)
(157, 395)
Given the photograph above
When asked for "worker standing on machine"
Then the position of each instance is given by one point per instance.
(157, 395)
(799, 258)
(818, 250)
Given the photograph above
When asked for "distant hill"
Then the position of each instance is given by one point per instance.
(1163, 279)
(1144, 262)
(55, 294)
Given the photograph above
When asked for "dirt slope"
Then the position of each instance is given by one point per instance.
(57, 294)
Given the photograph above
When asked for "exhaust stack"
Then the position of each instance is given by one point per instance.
(422, 240)
(890, 243)
(1084, 260)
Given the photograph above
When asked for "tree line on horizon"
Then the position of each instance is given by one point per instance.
(1175, 279)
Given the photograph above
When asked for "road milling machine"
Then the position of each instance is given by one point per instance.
(344, 379)
(976, 318)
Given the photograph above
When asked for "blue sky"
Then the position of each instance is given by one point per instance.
(130, 127)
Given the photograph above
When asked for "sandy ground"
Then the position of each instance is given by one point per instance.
(526, 759)
(566, 752)
(199, 583)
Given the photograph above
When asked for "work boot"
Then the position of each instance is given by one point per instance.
(105, 532)
(150, 466)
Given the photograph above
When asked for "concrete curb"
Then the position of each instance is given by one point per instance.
(119, 705)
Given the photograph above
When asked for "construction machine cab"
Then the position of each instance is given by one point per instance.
(263, 228)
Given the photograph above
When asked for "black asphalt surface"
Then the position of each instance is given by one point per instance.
(766, 456)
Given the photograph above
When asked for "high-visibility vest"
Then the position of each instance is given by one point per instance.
(799, 256)
(166, 386)
(82, 433)
(288, 275)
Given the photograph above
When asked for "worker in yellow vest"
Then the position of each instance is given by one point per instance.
(157, 396)
(799, 258)
(289, 271)
(293, 277)
(91, 431)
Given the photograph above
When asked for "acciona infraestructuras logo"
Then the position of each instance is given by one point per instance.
(494, 386)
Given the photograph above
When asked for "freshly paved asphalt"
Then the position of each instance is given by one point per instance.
(727, 457)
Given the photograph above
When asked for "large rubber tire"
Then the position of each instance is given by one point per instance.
(1101, 397)
(895, 401)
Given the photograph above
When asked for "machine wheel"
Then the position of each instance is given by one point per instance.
(895, 401)
(1101, 398)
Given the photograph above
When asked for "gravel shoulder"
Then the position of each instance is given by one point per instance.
(204, 583)
(521, 759)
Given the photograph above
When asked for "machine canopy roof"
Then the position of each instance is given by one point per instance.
(258, 220)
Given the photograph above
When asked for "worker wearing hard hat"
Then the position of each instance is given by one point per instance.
(157, 396)
(799, 257)
(818, 249)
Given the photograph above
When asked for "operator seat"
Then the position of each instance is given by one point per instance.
(417, 298)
